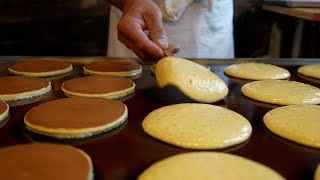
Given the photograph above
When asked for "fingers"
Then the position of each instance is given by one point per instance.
(153, 19)
(133, 36)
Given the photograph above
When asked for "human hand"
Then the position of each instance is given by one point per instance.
(140, 29)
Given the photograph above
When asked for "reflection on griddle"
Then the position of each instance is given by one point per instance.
(35, 137)
(51, 78)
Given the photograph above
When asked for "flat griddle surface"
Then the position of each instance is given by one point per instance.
(126, 151)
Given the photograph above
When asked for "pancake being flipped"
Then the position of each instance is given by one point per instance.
(298, 123)
(207, 166)
(282, 92)
(47, 161)
(194, 80)
(110, 87)
(153, 67)
(4, 110)
(75, 117)
(312, 70)
(40, 68)
(14, 88)
(113, 67)
(197, 126)
(317, 173)
(256, 71)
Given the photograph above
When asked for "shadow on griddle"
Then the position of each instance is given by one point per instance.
(173, 95)
(35, 137)
(51, 78)
(262, 104)
(310, 79)
(290, 143)
(29, 100)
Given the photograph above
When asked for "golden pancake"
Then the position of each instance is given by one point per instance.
(298, 123)
(207, 166)
(110, 87)
(153, 67)
(75, 117)
(113, 67)
(40, 161)
(40, 68)
(312, 70)
(282, 92)
(317, 173)
(22, 87)
(256, 71)
(197, 126)
(194, 80)
(4, 110)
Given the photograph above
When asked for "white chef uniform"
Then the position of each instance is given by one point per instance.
(202, 28)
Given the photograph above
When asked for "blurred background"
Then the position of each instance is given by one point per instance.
(80, 27)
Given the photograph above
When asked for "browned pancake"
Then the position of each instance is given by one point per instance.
(75, 117)
(110, 87)
(113, 67)
(22, 87)
(40, 161)
(40, 68)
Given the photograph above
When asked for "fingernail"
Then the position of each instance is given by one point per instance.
(163, 43)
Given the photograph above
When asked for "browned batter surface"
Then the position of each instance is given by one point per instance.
(20, 84)
(40, 161)
(113, 66)
(39, 66)
(97, 84)
(3, 107)
(75, 113)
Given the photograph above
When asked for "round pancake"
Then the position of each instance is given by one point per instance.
(75, 117)
(40, 68)
(298, 123)
(208, 165)
(194, 80)
(22, 87)
(110, 87)
(317, 173)
(256, 71)
(312, 70)
(39, 161)
(197, 126)
(113, 67)
(282, 92)
(4, 110)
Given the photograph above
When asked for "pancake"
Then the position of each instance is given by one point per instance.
(192, 79)
(317, 173)
(298, 123)
(14, 88)
(208, 165)
(311, 70)
(197, 126)
(113, 67)
(282, 92)
(75, 117)
(153, 67)
(4, 110)
(256, 71)
(110, 87)
(40, 68)
(39, 161)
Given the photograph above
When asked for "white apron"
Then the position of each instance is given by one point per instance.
(202, 29)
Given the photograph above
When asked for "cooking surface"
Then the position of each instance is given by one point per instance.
(126, 151)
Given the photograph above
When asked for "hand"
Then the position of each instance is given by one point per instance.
(140, 29)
